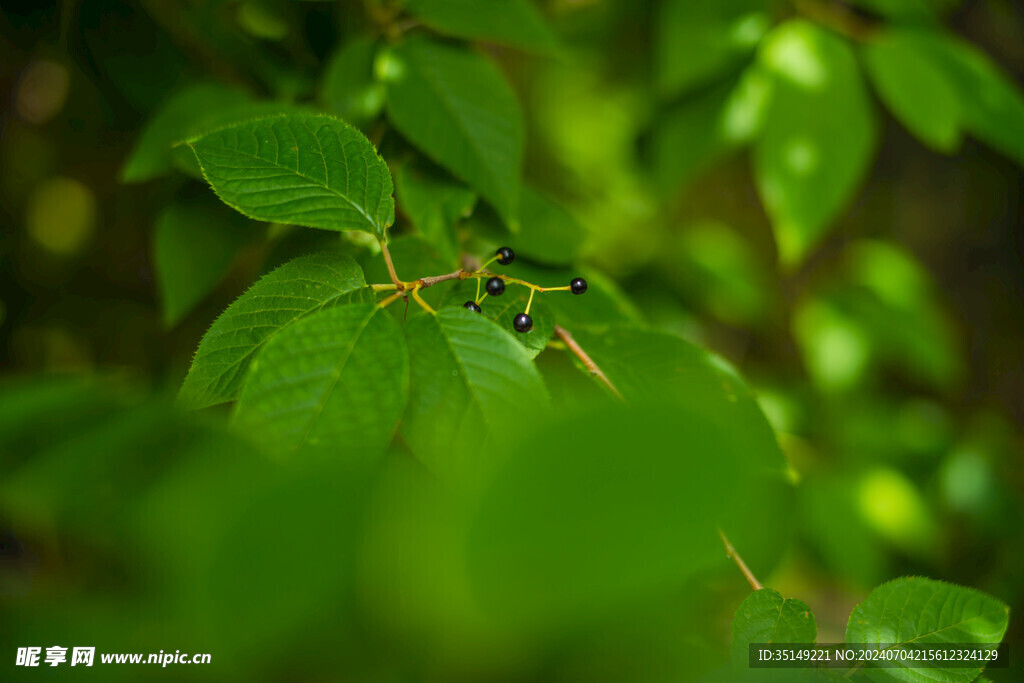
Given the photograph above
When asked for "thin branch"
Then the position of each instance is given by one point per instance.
(391, 266)
(731, 553)
(588, 362)
(425, 282)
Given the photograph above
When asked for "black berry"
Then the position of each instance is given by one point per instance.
(472, 305)
(578, 285)
(522, 323)
(495, 286)
(505, 255)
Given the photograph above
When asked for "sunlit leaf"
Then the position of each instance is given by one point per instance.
(310, 170)
(515, 23)
(193, 247)
(336, 381)
(914, 610)
(454, 105)
(818, 136)
(278, 299)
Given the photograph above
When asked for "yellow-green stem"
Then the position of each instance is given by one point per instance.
(530, 302)
(416, 296)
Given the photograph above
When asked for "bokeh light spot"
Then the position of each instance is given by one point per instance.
(967, 481)
(61, 215)
(42, 91)
(802, 156)
(387, 67)
(836, 350)
(794, 56)
(749, 29)
(891, 505)
(262, 21)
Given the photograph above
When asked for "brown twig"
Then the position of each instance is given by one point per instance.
(588, 362)
(731, 553)
(425, 282)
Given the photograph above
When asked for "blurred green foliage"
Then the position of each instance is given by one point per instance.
(824, 194)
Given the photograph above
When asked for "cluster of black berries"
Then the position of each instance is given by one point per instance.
(495, 286)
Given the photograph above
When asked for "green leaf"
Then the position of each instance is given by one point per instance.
(765, 616)
(193, 247)
(720, 271)
(434, 204)
(880, 307)
(915, 610)
(336, 381)
(701, 130)
(697, 41)
(827, 503)
(184, 114)
(818, 136)
(657, 367)
(310, 170)
(991, 104)
(471, 382)
(914, 87)
(188, 113)
(348, 88)
(515, 23)
(549, 233)
(270, 513)
(454, 105)
(278, 299)
(503, 309)
(605, 509)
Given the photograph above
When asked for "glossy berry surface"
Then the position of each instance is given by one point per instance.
(472, 305)
(505, 255)
(522, 323)
(495, 286)
(578, 285)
